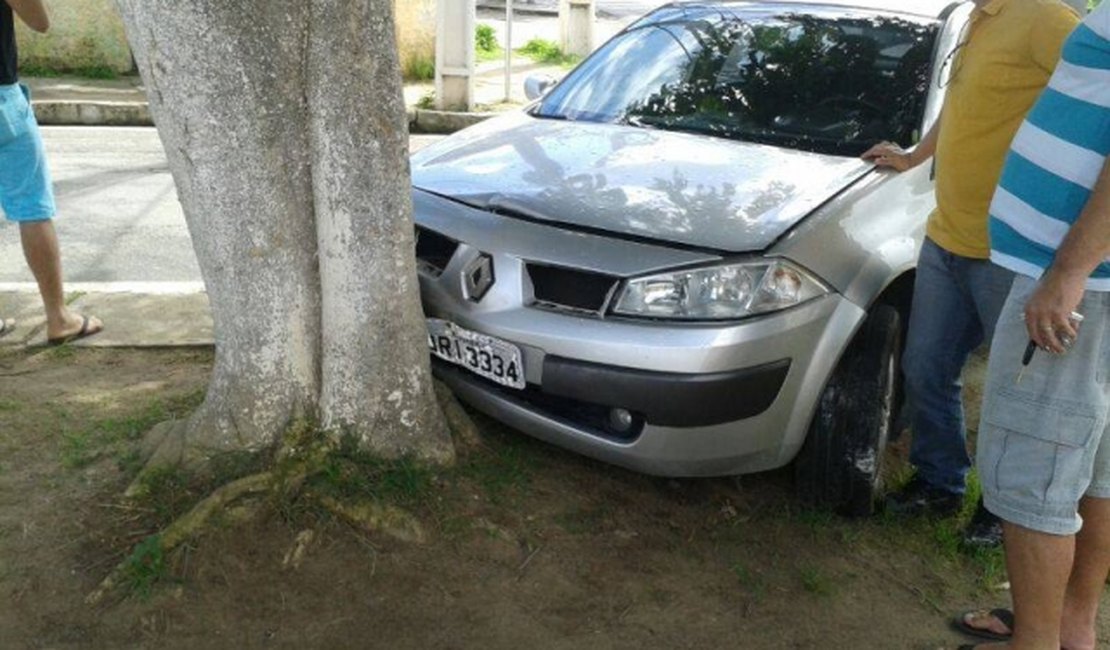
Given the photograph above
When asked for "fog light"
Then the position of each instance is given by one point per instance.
(620, 420)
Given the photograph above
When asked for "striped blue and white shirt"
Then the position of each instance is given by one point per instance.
(1056, 157)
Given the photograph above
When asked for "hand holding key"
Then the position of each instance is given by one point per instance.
(1031, 349)
(1049, 311)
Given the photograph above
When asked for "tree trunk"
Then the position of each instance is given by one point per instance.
(284, 127)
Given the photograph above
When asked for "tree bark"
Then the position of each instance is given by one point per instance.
(374, 323)
(284, 127)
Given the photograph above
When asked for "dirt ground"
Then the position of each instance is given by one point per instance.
(528, 546)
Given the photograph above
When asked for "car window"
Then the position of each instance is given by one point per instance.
(829, 83)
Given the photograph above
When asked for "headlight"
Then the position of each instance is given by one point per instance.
(720, 292)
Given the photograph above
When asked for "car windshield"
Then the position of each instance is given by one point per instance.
(830, 81)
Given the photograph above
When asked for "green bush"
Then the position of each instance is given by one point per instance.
(420, 68)
(485, 39)
(544, 51)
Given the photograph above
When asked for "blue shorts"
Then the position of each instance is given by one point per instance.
(1044, 443)
(25, 190)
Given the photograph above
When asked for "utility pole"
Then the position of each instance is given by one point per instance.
(576, 26)
(508, 51)
(455, 22)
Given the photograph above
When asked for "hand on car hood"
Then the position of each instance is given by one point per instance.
(688, 189)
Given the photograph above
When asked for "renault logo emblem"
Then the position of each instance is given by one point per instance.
(478, 277)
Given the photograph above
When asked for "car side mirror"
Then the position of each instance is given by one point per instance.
(537, 85)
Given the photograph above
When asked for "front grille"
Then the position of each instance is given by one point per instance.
(434, 251)
(572, 290)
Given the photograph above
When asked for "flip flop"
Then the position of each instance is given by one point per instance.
(7, 326)
(1004, 615)
(84, 332)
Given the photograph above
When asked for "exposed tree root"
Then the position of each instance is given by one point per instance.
(190, 524)
(295, 555)
(303, 452)
(375, 517)
(163, 445)
(463, 430)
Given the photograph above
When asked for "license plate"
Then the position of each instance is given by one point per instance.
(496, 360)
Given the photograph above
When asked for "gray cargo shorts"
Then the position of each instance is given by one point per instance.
(1043, 442)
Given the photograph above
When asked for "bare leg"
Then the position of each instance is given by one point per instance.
(1088, 577)
(1039, 565)
(40, 246)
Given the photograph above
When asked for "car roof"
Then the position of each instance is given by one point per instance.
(926, 8)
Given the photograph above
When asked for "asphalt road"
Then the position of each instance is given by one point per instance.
(119, 220)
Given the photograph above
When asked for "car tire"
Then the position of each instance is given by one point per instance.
(840, 465)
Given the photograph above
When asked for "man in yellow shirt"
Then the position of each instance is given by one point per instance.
(997, 70)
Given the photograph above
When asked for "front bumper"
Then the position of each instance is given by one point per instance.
(715, 422)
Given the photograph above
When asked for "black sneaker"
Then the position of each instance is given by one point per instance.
(918, 498)
(984, 530)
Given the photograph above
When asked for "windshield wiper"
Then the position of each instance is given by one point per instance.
(549, 116)
(636, 121)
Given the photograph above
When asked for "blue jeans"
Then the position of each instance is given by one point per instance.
(956, 304)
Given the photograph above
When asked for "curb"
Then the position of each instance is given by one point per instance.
(75, 113)
(519, 10)
(443, 122)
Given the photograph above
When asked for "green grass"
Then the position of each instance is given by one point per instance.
(815, 581)
(145, 567)
(352, 473)
(167, 492)
(485, 39)
(583, 520)
(504, 470)
(101, 72)
(548, 52)
(940, 541)
(9, 406)
(751, 581)
(61, 352)
(82, 447)
(420, 68)
(485, 56)
(486, 47)
(427, 101)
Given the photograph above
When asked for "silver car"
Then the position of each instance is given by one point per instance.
(675, 261)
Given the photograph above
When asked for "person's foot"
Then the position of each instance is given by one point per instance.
(918, 498)
(75, 327)
(994, 624)
(984, 530)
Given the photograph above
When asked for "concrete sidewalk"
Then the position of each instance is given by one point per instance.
(134, 316)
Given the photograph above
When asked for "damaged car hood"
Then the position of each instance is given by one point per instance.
(685, 189)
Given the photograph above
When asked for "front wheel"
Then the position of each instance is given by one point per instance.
(840, 465)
